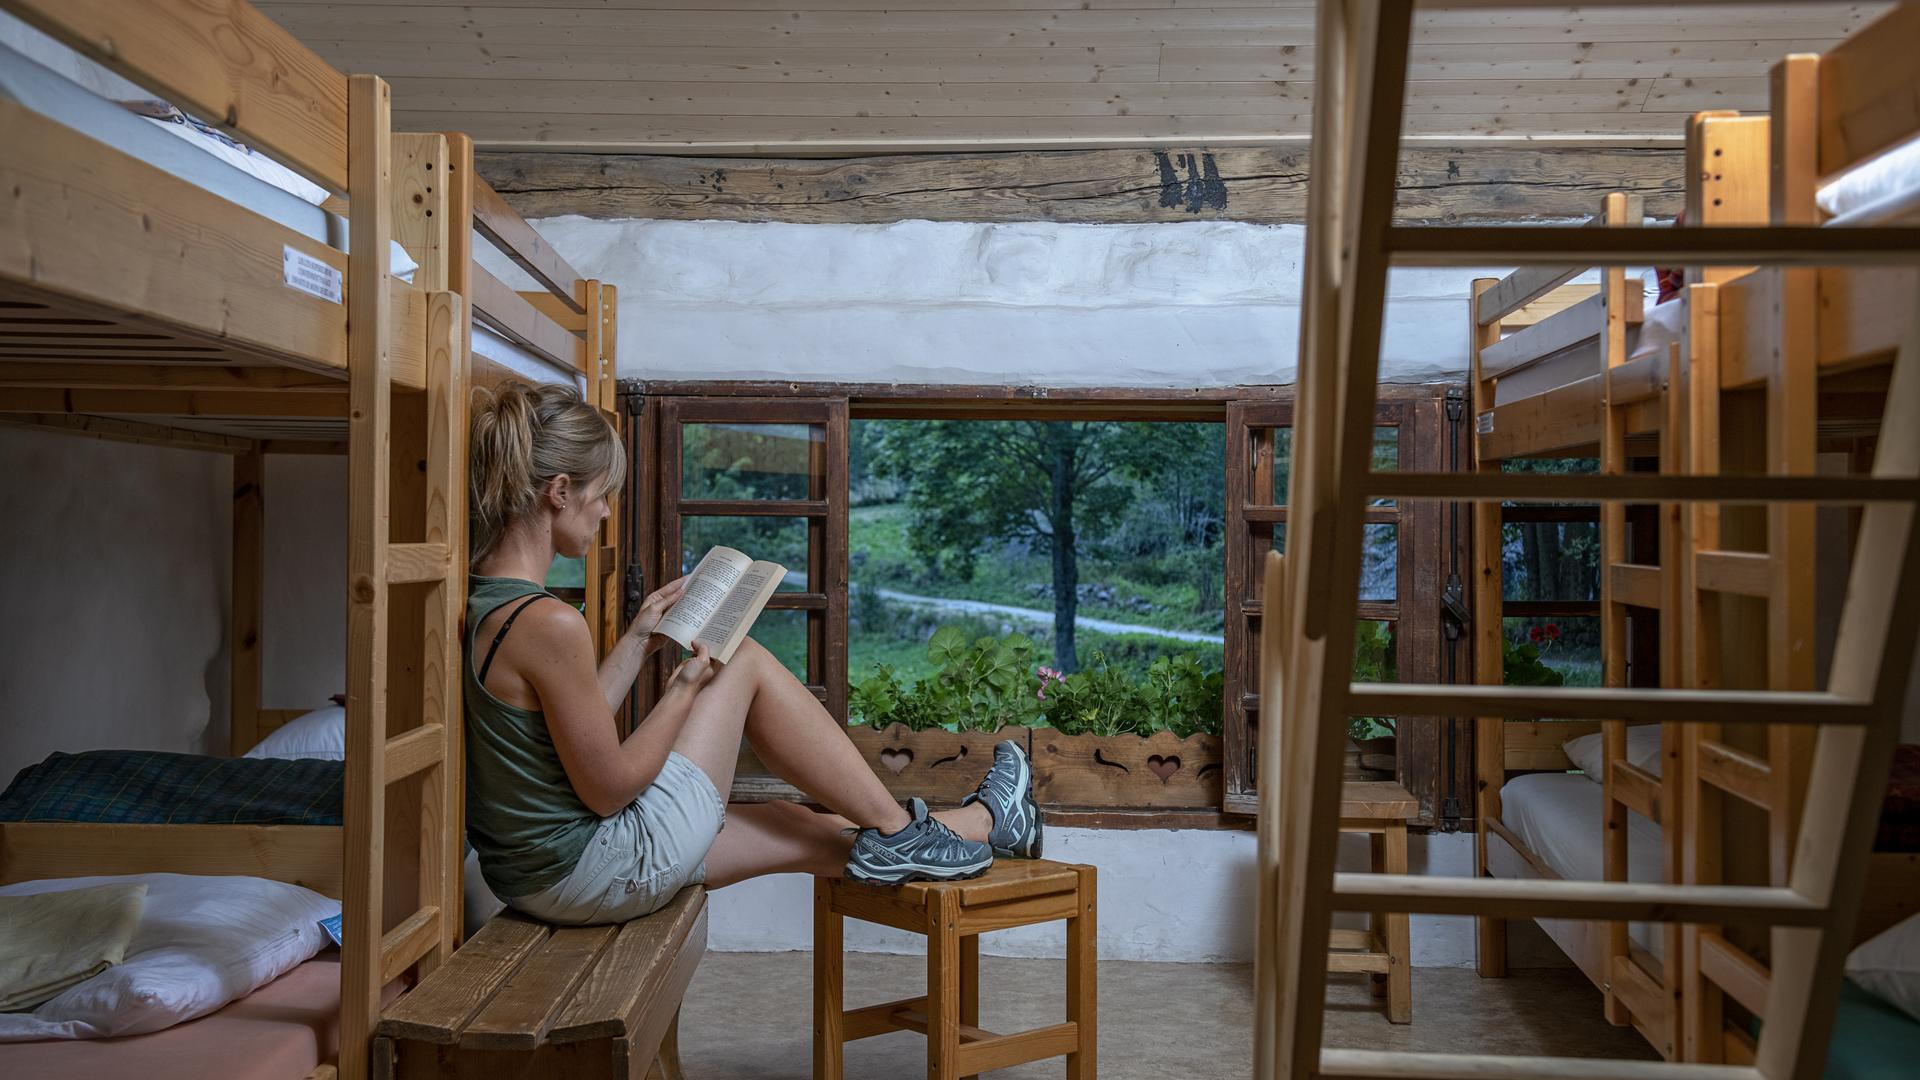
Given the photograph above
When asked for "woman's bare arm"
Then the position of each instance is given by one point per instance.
(551, 655)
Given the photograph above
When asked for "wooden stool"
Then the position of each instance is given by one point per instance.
(1379, 808)
(953, 916)
(525, 999)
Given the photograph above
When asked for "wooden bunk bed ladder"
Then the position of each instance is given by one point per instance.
(1362, 45)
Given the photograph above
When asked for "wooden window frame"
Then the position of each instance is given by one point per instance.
(1419, 412)
(658, 408)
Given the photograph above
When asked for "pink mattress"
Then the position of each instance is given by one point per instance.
(280, 1031)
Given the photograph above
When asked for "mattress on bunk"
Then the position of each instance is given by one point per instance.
(68, 103)
(1872, 1040)
(1883, 190)
(281, 1031)
(148, 787)
(1661, 328)
(1561, 818)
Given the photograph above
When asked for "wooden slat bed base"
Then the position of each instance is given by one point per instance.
(306, 855)
(91, 227)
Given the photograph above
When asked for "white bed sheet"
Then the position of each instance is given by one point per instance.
(490, 345)
(1882, 190)
(65, 102)
(1660, 329)
(1560, 816)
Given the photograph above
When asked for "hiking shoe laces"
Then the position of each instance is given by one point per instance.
(1007, 790)
(925, 850)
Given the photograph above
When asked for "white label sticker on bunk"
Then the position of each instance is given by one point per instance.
(310, 275)
(1484, 423)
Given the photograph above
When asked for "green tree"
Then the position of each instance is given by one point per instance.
(974, 483)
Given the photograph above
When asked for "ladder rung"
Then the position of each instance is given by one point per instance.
(409, 563)
(1611, 703)
(1406, 1065)
(1637, 584)
(1348, 963)
(1639, 488)
(1743, 978)
(1636, 787)
(1736, 772)
(1741, 573)
(1533, 245)
(404, 945)
(407, 754)
(1613, 901)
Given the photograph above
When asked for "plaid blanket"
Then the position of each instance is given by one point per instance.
(146, 787)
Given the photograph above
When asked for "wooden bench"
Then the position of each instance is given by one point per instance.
(526, 999)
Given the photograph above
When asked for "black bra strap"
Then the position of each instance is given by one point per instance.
(502, 635)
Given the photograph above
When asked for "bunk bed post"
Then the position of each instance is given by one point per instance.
(1613, 607)
(1792, 395)
(1489, 653)
(429, 494)
(247, 559)
(368, 427)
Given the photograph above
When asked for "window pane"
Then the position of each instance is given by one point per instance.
(954, 524)
(1550, 560)
(1380, 562)
(748, 461)
(1568, 646)
(1376, 657)
(1282, 463)
(567, 573)
(784, 634)
(776, 539)
(1386, 458)
(1379, 559)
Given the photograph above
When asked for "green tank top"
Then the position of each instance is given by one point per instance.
(523, 819)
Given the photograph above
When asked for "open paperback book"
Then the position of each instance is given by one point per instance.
(724, 594)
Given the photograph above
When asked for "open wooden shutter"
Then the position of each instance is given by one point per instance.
(767, 476)
(1401, 587)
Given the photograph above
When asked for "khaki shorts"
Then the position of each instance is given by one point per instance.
(640, 857)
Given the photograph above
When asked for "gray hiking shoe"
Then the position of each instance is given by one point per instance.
(925, 850)
(1008, 793)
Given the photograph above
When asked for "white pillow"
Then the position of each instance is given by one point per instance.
(1643, 749)
(321, 733)
(1888, 966)
(202, 942)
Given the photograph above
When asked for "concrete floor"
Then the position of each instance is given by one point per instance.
(748, 1016)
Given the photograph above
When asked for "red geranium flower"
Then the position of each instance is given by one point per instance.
(1553, 631)
(1534, 634)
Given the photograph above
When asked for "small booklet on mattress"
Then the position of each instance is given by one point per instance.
(725, 593)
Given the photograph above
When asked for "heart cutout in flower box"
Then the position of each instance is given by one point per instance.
(1164, 767)
(896, 760)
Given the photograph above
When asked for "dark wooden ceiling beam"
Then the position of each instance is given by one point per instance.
(1470, 185)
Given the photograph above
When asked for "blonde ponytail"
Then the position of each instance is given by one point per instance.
(522, 437)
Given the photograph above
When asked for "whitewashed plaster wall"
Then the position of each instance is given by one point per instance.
(1190, 304)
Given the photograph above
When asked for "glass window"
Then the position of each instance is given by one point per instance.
(776, 539)
(1550, 560)
(783, 632)
(953, 524)
(749, 461)
(1380, 562)
(567, 573)
(1567, 646)
(1386, 458)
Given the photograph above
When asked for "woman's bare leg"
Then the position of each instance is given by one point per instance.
(777, 838)
(755, 696)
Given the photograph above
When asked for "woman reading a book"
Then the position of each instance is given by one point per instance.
(573, 824)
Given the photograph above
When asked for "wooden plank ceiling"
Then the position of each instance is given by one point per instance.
(778, 77)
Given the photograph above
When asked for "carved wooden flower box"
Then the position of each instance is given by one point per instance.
(1125, 770)
(940, 766)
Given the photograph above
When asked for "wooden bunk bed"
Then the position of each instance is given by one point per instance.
(166, 302)
(1733, 383)
(1822, 796)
